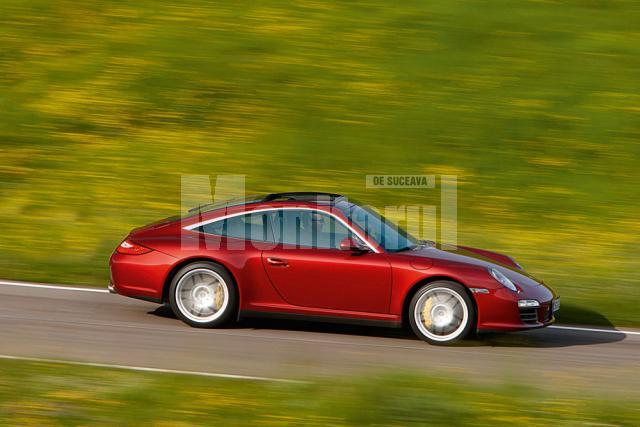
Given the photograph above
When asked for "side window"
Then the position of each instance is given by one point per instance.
(308, 228)
(248, 227)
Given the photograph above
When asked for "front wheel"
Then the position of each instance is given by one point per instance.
(441, 312)
(203, 295)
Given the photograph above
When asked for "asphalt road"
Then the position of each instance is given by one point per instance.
(98, 327)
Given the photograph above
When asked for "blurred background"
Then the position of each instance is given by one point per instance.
(534, 105)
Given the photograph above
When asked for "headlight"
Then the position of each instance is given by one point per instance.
(528, 303)
(502, 279)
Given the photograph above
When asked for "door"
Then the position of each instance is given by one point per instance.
(308, 269)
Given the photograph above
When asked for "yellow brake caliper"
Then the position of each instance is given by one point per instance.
(426, 313)
(219, 297)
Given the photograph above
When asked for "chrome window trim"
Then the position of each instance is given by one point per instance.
(287, 208)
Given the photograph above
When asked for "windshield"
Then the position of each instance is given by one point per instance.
(387, 234)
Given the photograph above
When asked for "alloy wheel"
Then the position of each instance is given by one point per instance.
(441, 314)
(202, 295)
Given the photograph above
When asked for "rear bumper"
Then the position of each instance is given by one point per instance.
(140, 276)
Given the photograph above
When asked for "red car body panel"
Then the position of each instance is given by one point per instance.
(330, 279)
(140, 276)
(325, 283)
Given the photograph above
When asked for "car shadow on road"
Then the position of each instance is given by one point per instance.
(537, 338)
(546, 338)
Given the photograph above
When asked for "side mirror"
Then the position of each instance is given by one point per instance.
(353, 245)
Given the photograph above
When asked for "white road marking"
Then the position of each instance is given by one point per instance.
(610, 331)
(147, 369)
(105, 291)
(43, 286)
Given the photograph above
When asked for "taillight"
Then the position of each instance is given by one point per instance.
(129, 248)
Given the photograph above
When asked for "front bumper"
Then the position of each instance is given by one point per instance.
(498, 310)
(543, 315)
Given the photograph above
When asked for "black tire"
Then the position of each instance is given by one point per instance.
(427, 330)
(203, 268)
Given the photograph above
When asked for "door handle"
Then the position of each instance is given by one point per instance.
(278, 261)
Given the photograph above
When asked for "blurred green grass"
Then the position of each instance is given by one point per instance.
(50, 394)
(534, 105)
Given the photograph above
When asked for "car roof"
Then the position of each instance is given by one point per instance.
(307, 196)
(272, 200)
(303, 197)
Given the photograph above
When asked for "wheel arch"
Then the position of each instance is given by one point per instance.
(187, 261)
(425, 281)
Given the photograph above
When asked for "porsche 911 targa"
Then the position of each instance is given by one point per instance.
(321, 256)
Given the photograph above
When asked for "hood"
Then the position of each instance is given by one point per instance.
(472, 256)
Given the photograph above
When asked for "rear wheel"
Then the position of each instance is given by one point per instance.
(203, 295)
(441, 312)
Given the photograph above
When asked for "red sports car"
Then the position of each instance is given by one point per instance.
(322, 256)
